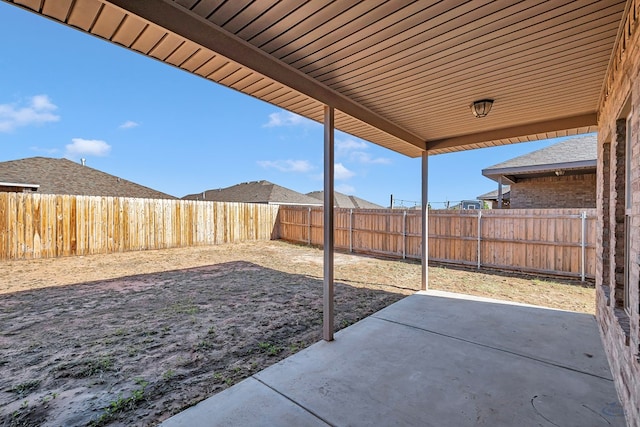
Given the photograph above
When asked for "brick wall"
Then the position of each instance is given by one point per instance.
(618, 244)
(557, 192)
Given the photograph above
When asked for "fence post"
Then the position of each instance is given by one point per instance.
(350, 230)
(309, 227)
(479, 236)
(583, 245)
(404, 235)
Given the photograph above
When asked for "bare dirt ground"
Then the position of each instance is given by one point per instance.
(132, 338)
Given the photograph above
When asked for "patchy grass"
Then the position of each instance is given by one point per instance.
(77, 335)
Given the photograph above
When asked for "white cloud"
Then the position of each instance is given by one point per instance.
(39, 110)
(345, 189)
(345, 146)
(342, 173)
(87, 147)
(287, 165)
(129, 124)
(362, 157)
(356, 151)
(286, 118)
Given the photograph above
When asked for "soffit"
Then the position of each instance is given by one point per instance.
(401, 73)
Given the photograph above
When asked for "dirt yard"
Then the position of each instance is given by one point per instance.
(130, 339)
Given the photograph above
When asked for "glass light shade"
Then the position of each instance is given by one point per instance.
(481, 108)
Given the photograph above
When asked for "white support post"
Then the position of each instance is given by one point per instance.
(425, 221)
(583, 246)
(328, 300)
(479, 237)
(500, 192)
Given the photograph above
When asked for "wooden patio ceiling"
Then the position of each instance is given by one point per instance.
(400, 73)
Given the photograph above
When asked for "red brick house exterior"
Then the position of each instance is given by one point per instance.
(560, 176)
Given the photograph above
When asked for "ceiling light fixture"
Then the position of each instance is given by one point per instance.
(482, 107)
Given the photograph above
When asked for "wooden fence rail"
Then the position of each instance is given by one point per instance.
(550, 241)
(44, 225)
(558, 241)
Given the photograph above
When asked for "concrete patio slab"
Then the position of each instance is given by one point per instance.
(558, 337)
(433, 360)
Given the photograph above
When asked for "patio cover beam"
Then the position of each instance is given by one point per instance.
(181, 21)
(327, 324)
(528, 129)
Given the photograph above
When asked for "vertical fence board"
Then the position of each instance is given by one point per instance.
(534, 240)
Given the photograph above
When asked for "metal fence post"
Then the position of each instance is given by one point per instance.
(404, 235)
(350, 230)
(479, 236)
(309, 227)
(583, 246)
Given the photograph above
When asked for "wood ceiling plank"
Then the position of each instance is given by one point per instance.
(259, 85)
(278, 91)
(204, 8)
(327, 20)
(182, 53)
(406, 35)
(298, 103)
(227, 11)
(148, 39)
(264, 89)
(108, 22)
(432, 56)
(248, 15)
(542, 87)
(211, 65)
(197, 60)
(130, 29)
(34, 5)
(507, 76)
(188, 4)
(286, 22)
(284, 98)
(266, 20)
(58, 9)
(368, 72)
(235, 79)
(84, 13)
(223, 72)
(508, 56)
(166, 46)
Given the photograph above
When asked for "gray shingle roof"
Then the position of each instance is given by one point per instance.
(493, 195)
(255, 192)
(345, 201)
(62, 176)
(581, 151)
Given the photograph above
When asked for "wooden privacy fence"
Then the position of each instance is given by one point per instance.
(45, 225)
(550, 241)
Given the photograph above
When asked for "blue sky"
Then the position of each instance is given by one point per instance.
(64, 93)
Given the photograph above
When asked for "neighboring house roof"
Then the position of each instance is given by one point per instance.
(255, 192)
(344, 201)
(572, 156)
(493, 195)
(62, 176)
